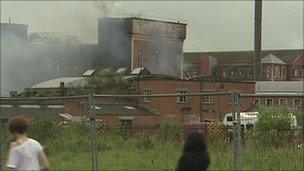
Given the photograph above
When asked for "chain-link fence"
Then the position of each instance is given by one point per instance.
(147, 132)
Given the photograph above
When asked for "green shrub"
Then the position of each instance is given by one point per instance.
(144, 140)
(274, 126)
(170, 131)
(43, 128)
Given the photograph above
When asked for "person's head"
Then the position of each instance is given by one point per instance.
(18, 125)
(194, 143)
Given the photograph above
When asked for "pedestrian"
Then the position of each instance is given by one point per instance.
(195, 156)
(24, 153)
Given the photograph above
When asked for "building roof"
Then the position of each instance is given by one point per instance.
(151, 77)
(279, 87)
(271, 59)
(55, 83)
(209, 79)
(8, 111)
(140, 71)
(88, 73)
(121, 109)
(233, 57)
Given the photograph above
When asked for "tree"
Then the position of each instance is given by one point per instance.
(108, 81)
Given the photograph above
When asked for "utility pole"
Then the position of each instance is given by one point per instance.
(257, 39)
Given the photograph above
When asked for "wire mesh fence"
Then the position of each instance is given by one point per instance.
(147, 132)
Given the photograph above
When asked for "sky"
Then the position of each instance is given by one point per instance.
(212, 25)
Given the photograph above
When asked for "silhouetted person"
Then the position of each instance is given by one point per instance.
(25, 153)
(195, 156)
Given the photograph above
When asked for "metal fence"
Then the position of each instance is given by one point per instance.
(233, 149)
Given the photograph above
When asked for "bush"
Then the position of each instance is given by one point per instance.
(273, 126)
(144, 140)
(43, 128)
(170, 131)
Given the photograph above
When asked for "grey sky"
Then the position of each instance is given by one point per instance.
(219, 25)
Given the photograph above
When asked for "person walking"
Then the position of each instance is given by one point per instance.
(24, 153)
(195, 156)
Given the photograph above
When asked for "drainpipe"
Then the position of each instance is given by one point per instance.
(201, 102)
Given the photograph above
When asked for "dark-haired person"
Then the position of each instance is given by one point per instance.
(25, 153)
(195, 156)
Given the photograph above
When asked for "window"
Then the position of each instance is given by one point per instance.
(140, 57)
(235, 99)
(284, 72)
(229, 118)
(273, 72)
(182, 99)
(147, 92)
(208, 98)
(295, 72)
(283, 102)
(296, 102)
(277, 71)
(268, 102)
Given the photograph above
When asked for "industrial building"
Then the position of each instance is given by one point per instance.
(137, 42)
(276, 65)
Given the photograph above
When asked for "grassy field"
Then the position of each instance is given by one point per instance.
(165, 156)
(69, 148)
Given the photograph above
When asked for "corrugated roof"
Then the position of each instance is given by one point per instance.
(271, 59)
(55, 83)
(121, 109)
(8, 111)
(280, 87)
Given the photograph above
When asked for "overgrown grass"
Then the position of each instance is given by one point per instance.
(68, 147)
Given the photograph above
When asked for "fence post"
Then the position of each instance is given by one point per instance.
(239, 137)
(235, 161)
(93, 131)
(1, 143)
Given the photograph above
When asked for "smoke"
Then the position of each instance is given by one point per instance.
(109, 8)
(25, 62)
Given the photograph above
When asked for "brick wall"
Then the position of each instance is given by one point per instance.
(169, 107)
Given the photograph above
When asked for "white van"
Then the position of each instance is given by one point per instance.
(248, 119)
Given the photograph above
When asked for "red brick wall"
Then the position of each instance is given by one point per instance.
(75, 107)
(168, 107)
(221, 104)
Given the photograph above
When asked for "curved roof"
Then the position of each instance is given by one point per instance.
(55, 83)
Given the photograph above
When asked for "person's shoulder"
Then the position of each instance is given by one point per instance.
(34, 141)
(13, 145)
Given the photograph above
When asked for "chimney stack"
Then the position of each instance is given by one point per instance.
(9, 20)
(61, 89)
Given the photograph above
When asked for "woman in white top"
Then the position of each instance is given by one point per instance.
(25, 153)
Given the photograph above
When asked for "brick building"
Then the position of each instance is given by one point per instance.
(276, 65)
(138, 42)
(287, 88)
(192, 108)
